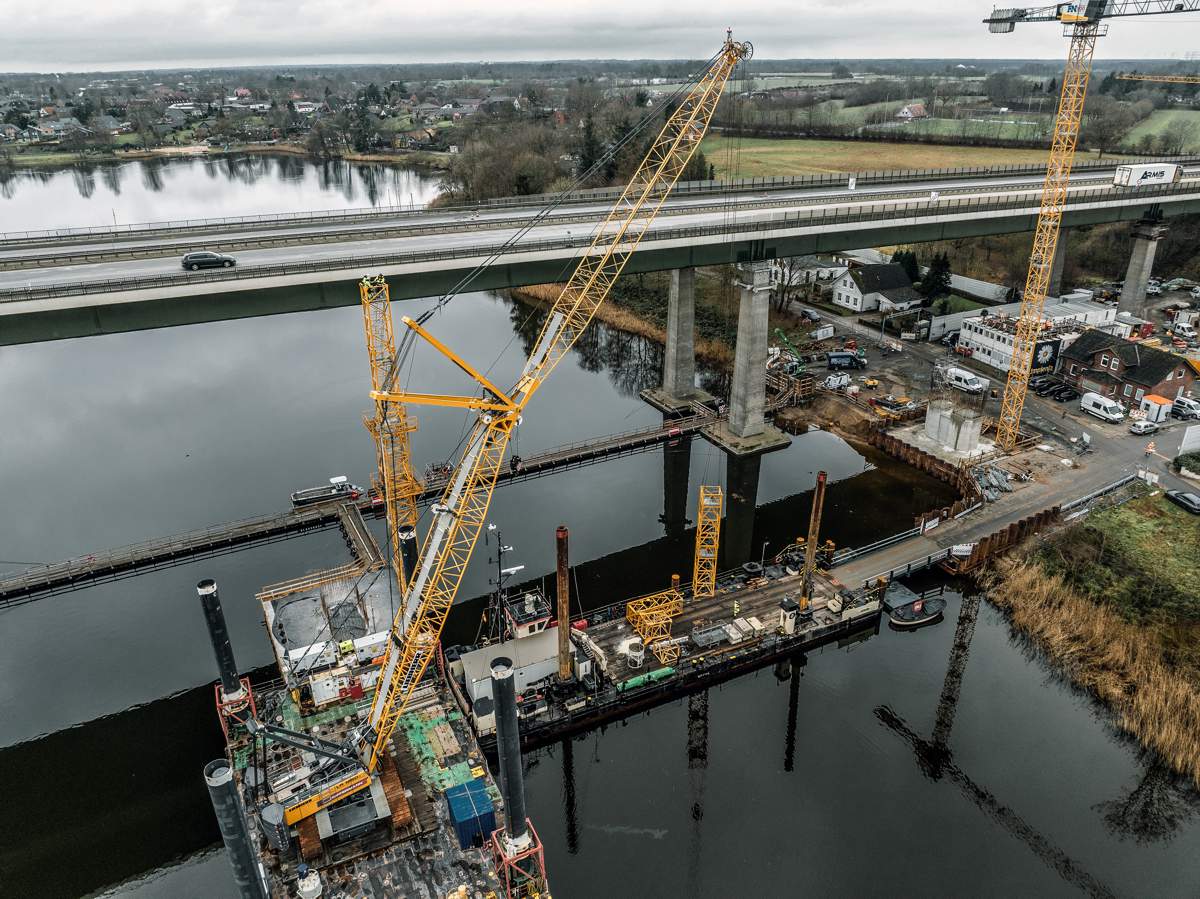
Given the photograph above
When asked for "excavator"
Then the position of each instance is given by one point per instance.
(343, 769)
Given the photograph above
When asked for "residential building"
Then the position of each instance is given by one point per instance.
(988, 336)
(885, 287)
(1123, 369)
(912, 111)
(9, 132)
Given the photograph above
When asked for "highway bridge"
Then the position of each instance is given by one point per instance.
(94, 280)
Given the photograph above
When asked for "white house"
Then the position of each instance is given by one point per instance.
(886, 287)
(912, 111)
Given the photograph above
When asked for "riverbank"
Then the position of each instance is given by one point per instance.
(63, 159)
(1112, 601)
(715, 352)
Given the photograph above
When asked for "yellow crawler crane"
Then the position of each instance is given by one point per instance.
(708, 541)
(459, 515)
(1084, 22)
(390, 426)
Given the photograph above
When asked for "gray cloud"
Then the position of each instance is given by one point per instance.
(84, 34)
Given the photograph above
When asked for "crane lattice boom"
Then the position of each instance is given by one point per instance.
(459, 515)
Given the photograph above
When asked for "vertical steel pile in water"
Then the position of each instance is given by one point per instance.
(508, 746)
(221, 790)
(564, 606)
(231, 685)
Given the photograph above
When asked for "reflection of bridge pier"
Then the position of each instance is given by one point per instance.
(741, 502)
(697, 752)
(677, 462)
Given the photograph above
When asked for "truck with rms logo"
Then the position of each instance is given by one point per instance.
(1147, 175)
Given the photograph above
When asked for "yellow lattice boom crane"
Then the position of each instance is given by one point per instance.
(1084, 22)
(390, 426)
(457, 518)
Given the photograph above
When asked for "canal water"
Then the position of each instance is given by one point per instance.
(788, 782)
(172, 188)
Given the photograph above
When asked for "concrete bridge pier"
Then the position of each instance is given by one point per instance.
(1055, 288)
(679, 389)
(747, 432)
(1146, 235)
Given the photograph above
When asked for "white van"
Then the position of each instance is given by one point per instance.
(1101, 407)
(961, 379)
(1185, 330)
(1185, 407)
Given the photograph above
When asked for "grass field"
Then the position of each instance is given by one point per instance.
(766, 157)
(1159, 120)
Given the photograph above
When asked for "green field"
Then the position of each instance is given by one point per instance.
(1021, 127)
(1160, 119)
(765, 157)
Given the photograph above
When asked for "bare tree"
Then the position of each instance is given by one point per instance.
(793, 277)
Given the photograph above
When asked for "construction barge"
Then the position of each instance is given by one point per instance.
(753, 619)
(432, 822)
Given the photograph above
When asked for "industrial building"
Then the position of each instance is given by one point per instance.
(988, 337)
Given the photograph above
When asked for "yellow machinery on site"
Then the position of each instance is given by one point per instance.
(1084, 22)
(456, 519)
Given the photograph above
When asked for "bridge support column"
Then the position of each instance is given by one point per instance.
(1054, 289)
(1146, 235)
(679, 389)
(746, 431)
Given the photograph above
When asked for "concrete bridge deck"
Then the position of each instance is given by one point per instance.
(428, 253)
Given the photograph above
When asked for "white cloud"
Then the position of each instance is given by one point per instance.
(85, 34)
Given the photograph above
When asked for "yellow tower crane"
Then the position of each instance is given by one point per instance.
(1159, 79)
(457, 518)
(1084, 23)
(708, 541)
(390, 426)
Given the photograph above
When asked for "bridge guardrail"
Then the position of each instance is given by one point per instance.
(688, 188)
(932, 209)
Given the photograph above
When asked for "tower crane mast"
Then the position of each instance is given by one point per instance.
(1085, 22)
(458, 517)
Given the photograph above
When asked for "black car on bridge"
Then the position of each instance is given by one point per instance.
(196, 261)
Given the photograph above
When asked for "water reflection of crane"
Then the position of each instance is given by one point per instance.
(697, 753)
(936, 761)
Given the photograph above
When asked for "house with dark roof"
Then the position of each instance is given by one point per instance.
(1125, 370)
(886, 287)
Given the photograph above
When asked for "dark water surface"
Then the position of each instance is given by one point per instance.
(772, 785)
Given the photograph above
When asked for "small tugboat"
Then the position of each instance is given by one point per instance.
(917, 613)
(339, 488)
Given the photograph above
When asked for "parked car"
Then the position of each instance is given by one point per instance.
(196, 261)
(810, 315)
(1064, 393)
(1038, 380)
(1153, 290)
(1185, 407)
(1189, 502)
(950, 338)
(1196, 293)
(1047, 388)
(1143, 427)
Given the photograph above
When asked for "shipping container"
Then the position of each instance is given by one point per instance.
(471, 812)
(1146, 175)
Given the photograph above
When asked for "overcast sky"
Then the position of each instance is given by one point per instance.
(61, 35)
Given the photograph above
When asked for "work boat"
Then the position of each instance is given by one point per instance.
(338, 488)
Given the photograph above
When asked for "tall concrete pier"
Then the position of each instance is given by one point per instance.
(1146, 235)
(747, 430)
(679, 389)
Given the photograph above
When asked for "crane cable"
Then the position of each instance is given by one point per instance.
(408, 339)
